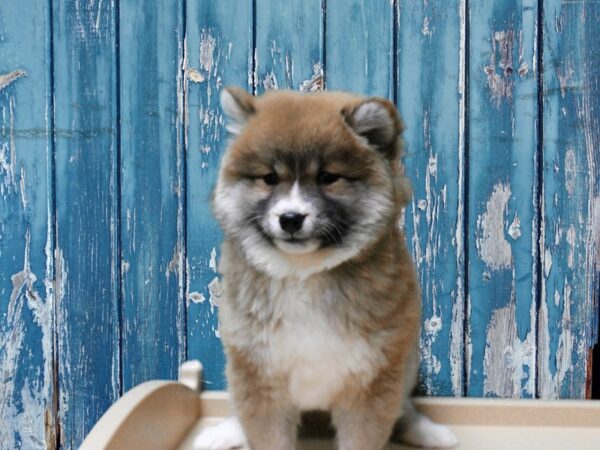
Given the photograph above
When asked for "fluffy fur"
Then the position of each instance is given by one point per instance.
(325, 316)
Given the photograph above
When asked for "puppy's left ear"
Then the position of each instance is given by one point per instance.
(238, 106)
(375, 120)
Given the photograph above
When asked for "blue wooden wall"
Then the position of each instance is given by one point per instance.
(110, 138)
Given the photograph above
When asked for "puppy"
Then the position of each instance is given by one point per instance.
(321, 306)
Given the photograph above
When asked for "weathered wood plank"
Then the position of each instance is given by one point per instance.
(27, 412)
(571, 196)
(359, 46)
(431, 100)
(219, 52)
(289, 45)
(88, 266)
(502, 204)
(151, 90)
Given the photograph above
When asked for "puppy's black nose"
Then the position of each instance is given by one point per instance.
(291, 221)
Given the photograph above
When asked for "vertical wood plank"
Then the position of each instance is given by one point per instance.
(219, 53)
(359, 46)
(87, 213)
(151, 52)
(27, 413)
(502, 204)
(431, 100)
(571, 196)
(288, 45)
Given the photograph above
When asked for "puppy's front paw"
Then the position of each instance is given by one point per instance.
(228, 435)
(420, 431)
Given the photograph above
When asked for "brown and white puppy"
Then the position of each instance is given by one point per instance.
(321, 305)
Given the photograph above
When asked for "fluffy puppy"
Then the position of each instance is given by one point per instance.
(321, 306)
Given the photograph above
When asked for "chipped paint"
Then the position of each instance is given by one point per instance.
(468, 346)
(571, 238)
(188, 279)
(194, 75)
(213, 260)
(215, 292)
(182, 145)
(547, 262)
(515, 228)
(11, 341)
(23, 191)
(457, 343)
(207, 50)
(175, 263)
(428, 360)
(270, 82)
(499, 72)
(8, 153)
(315, 83)
(425, 29)
(523, 69)
(8, 78)
(492, 246)
(508, 360)
(28, 416)
(570, 171)
(196, 297)
(547, 384)
(551, 380)
(432, 326)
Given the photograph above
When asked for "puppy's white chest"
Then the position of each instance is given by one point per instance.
(313, 350)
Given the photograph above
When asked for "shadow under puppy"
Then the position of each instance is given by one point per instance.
(321, 304)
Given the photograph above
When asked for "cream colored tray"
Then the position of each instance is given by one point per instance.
(166, 415)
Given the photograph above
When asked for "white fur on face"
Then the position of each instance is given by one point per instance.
(292, 203)
(292, 259)
(281, 265)
(297, 248)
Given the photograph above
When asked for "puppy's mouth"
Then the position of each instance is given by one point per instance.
(295, 240)
(296, 245)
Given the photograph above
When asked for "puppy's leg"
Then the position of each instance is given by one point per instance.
(361, 430)
(265, 431)
(366, 424)
(270, 428)
(261, 403)
(416, 429)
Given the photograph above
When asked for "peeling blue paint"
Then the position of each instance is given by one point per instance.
(110, 138)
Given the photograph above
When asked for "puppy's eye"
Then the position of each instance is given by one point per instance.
(271, 179)
(327, 178)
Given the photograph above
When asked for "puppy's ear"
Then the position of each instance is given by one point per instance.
(376, 121)
(238, 106)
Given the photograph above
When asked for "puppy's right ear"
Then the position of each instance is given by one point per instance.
(238, 106)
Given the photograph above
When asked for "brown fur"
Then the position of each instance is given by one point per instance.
(374, 295)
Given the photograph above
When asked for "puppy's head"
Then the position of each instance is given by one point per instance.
(309, 181)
